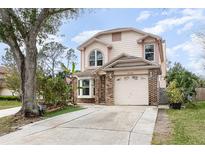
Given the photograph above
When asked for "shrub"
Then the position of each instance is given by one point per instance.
(186, 81)
(54, 91)
(10, 98)
(174, 94)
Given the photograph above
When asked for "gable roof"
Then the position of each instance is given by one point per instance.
(143, 38)
(115, 31)
(94, 40)
(127, 62)
(85, 73)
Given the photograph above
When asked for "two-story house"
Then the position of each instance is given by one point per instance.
(123, 66)
(4, 91)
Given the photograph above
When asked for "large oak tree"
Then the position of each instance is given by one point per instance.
(22, 30)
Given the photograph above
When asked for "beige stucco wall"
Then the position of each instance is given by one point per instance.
(163, 68)
(131, 72)
(5, 92)
(127, 45)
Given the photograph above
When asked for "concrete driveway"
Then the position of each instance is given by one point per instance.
(94, 125)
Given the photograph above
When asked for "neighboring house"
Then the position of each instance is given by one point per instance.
(4, 91)
(122, 66)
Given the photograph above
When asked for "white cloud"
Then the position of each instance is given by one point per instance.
(168, 12)
(186, 16)
(192, 12)
(83, 36)
(194, 52)
(186, 27)
(143, 15)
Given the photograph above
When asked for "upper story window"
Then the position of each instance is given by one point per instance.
(96, 58)
(149, 52)
(116, 36)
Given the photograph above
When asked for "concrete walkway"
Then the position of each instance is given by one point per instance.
(98, 125)
(7, 112)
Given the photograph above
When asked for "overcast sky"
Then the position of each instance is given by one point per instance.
(177, 26)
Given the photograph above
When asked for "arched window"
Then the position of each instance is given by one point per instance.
(96, 58)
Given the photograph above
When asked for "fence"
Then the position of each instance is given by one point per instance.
(200, 94)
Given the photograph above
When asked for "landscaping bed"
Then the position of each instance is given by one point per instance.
(4, 104)
(12, 123)
(187, 126)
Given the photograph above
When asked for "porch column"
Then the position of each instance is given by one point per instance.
(153, 87)
(109, 88)
(97, 89)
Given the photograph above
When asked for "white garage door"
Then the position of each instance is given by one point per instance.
(131, 90)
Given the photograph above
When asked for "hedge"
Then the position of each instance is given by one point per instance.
(10, 98)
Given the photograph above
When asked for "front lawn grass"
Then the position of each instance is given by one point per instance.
(64, 110)
(185, 126)
(11, 123)
(9, 104)
(188, 125)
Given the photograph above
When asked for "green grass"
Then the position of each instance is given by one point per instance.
(9, 104)
(188, 125)
(67, 109)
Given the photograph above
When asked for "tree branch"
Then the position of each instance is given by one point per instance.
(39, 21)
(19, 24)
(44, 15)
(11, 39)
(56, 11)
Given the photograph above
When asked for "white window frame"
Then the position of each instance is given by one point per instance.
(96, 59)
(145, 52)
(91, 86)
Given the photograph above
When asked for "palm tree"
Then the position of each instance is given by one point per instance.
(70, 80)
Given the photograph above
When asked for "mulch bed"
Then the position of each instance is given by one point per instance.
(13, 123)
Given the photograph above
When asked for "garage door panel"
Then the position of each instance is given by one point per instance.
(131, 90)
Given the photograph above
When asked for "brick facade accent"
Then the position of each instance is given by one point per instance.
(104, 89)
(100, 89)
(97, 89)
(109, 88)
(153, 87)
(86, 100)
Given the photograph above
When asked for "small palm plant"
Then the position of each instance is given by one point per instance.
(175, 95)
(69, 77)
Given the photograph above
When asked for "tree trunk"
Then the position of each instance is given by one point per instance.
(30, 107)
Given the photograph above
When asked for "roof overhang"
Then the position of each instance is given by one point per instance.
(125, 62)
(82, 46)
(87, 42)
(141, 39)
